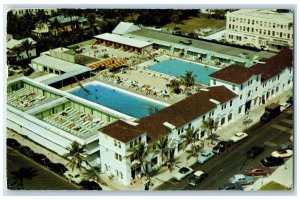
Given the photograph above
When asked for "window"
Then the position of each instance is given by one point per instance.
(240, 109)
(119, 143)
(230, 103)
(288, 35)
(241, 97)
(256, 88)
(257, 78)
(278, 76)
(233, 87)
(229, 26)
(116, 156)
(115, 143)
(203, 118)
(214, 82)
(121, 175)
(241, 86)
(229, 116)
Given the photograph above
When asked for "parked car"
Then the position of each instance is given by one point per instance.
(241, 179)
(282, 153)
(284, 106)
(182, 173)
(221, 147)
(197, 177)
(230, 186)
(204, 156)
(258, 171)
(272, 161)
(286, 146)
(238, 136)
(255, 151)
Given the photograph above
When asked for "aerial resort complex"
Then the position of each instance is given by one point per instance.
(133, 96)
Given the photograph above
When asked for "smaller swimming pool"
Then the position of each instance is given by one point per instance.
(119, 100)
(176, 67)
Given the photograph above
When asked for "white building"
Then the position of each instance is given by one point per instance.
(21, 12)
(268, 29)
(55, 119)
(118, 138)
(259, 83)
(14, 48)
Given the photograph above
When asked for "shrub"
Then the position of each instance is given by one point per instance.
(42, 159)
(90, 185)
(25, 150)
(13, 143)
(58, 168)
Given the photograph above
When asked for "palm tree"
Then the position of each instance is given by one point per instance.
(24, 173)
(141, 153)
(188, 79)
(172, 163)
(162, 145)
(78, 155)
(26, 46)
(208, 125)
(190, 138)
(174, 85)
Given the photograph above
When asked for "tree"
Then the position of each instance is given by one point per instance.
(175, 86)
(188, 79)
(162, 145)
(141, 153)
(23, 173)
(90, 185)
(26, 46)
(77, 154)
(190, 139)
(208, 125)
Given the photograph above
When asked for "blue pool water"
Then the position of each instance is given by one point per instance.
(120, 101)
(178, 68)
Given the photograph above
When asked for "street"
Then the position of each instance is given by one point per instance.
(234, 161)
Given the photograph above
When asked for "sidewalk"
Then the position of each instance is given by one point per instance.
(237, 126)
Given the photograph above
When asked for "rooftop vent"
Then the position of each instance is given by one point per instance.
(214, 101)
(170, 126)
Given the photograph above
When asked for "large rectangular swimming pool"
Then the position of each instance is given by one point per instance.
(119, 100)
(175, 67)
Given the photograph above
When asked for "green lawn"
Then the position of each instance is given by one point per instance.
(189, 25)
(273, 186)
(44, 179)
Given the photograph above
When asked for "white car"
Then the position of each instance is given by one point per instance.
(182, 173)
(282, 153)
(238, 136)
(284, 106)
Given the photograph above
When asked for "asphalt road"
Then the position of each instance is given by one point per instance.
(234, 161)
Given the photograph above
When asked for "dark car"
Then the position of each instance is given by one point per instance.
(255, 151)
(221, 147)
(197, 177)
(272, 161)
(286, 146)
(230, 186)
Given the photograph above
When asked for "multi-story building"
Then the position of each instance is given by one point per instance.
(267, 29)
(21, 12)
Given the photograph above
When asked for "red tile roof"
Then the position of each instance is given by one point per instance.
(177, 114)
(233, 74)
(272, 67)
(122, 131)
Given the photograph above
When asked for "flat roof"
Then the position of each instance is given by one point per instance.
(57, 64)
(65, 76)
(123, 40)
(264, 13)
(204, 45)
